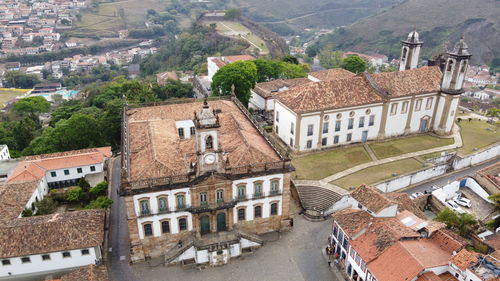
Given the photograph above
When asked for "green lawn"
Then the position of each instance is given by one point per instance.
(322, 164)
(476, 135)
(378, 173)
(408, 144)
(224, 27)
(8, 94)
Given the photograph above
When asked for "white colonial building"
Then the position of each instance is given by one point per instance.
(374, 106)
(4, 152)
(200, 182)
(43, 245)
(216, 63)
(61, 169)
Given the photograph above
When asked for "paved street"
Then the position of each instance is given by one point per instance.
(447, 178)
(294, 255)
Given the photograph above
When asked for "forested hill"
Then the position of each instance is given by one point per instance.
(439, 22)
(288, 16)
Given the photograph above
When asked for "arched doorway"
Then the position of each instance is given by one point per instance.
(221, 221)
(424, 124)
(204, 224)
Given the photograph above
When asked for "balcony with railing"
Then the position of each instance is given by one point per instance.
(258, 195)
(160, 211)
(207, 207)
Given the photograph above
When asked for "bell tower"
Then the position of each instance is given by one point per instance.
(410, 51)
(207, 139)
(457, 62)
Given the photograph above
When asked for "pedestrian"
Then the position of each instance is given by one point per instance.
(329, 263)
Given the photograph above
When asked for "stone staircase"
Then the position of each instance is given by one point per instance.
(176, 251)
(317, 197)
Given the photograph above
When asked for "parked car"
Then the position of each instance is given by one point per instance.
(452, 205)
(416, 195)
(462, 201)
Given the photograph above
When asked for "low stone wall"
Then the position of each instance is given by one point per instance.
(483, 177)
(449, 163)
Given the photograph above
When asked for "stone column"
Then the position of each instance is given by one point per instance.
(410, 114)
(383, 120)
(297, 129)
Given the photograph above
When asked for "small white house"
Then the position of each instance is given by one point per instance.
(42, 245)
(4, 152)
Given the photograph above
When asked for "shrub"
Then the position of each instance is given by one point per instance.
(27, 213)
(74, 194)
(84, 184)
(45, 206)
(99, 189)
(101, 202)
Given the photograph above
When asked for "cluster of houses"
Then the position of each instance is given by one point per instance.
(22, 24)
(53, 244)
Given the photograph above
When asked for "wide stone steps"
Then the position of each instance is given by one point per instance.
(317, 198)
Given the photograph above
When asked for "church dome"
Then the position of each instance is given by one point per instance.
(413, 36)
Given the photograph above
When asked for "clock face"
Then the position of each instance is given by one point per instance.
(209, 159)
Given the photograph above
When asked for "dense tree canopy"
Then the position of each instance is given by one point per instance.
(18, 79)
(354, 64)
(241, 74)
(463, 223)
(32, 105)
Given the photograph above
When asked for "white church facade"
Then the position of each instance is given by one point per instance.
(374, 106)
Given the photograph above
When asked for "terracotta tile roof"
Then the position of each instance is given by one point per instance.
(268, 89)
(14, 197)
(448, 240)
(411, 220)
(332, 74)
(429, 276)
(52, 233)
(406, 259)
(405, 203)
(35, 167)
(352, 221)
(156, 150)
(465, 259)
(421, 80)
(371, 198)
(493, 241)
(326, 95)
(88, 273)
(232, 59)
(218, 62)
(380, 235)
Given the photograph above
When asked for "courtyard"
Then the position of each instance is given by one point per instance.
(295, 255)
(477, 134)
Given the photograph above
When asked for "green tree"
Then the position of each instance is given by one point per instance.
(75, 194)
(241, 74)
(100, 189)
(45, 206)
(84, 184)
(496, 200)
(18, 79)
(354, 64)
(102, 202)
(290, 59)
(32, 106)
(331, 59)
(312, 50)
(27, 213)
(463, 223)
(232, 14)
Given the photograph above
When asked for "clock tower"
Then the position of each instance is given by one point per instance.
(207, 139)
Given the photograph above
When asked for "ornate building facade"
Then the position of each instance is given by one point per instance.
(200, 182)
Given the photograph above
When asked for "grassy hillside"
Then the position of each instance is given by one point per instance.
(440, 23)
(300, 14)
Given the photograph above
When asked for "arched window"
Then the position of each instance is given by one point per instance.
(241, 214)
(144, 207)
(257, 212)
(220, 195)
(274, 209)
(165, 227)
(242, 191)
(450, 65)
(274, 186)
(182, 224)
(405, 51)
(209, 142)
(181, 202)
(257, 189)
(162, 204)
(464, 66)
(148, 229)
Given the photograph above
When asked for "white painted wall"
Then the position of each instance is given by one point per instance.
(188, 254)
(423, 112)
(439, 111)
(56, 262)
(256, 101)
(452, 114)
(73, 172)
(235, 250)
(202, 256)
(186, 125)
(303, 137)
(286, 117)
(388, 212)
(266, 201)
(245, 243)
(4, 153)
(154, 208)
(409, 179)
(212, 68)
(478, 157)
(37, 195)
